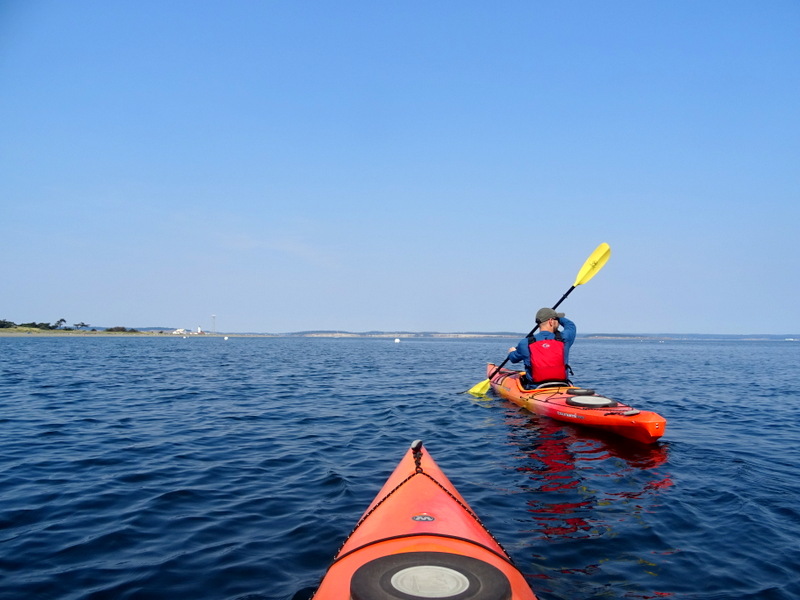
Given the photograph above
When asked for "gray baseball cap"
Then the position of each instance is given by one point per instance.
(543, 314)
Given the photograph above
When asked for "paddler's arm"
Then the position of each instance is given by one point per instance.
(519, 353)
(568, 330)
(568, 333)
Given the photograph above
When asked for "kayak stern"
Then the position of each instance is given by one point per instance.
(578, 406)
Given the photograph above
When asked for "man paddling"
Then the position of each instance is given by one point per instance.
(546, 353)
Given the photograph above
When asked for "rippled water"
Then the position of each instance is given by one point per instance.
(208, 468)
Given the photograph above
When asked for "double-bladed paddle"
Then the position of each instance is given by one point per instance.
(589, 269)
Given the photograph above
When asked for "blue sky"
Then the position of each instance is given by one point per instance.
(417, 166)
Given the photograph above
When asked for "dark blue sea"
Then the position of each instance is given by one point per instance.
(205, 468)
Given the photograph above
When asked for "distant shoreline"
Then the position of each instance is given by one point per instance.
(170, 334)
(30, 332)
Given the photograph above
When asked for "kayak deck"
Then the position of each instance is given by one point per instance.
(420, 539)
(571, 404)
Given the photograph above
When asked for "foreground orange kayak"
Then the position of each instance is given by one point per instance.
(419, 539)
(579, 407)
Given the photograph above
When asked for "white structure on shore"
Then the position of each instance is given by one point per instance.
(187, 332)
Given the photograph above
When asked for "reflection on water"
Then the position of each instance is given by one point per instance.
(585, 490)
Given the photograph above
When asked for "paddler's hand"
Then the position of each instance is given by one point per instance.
(510, 350)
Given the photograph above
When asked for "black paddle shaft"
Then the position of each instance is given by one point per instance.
(532, 331)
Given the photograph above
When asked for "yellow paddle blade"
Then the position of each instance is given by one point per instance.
(480, 389)
(593, 264)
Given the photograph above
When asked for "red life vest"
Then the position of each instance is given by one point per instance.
(547, 360)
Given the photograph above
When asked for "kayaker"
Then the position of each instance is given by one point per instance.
(549, 347)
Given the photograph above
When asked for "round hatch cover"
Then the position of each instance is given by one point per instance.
(591, 401)
(427, 575)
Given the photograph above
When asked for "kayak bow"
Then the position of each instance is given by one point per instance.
(579, 407)
(419, 539)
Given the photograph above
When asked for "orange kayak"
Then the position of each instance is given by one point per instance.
(419, 539)
(579, 407)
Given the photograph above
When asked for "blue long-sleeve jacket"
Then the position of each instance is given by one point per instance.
(523, 353)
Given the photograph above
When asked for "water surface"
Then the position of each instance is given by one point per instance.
(165, 467)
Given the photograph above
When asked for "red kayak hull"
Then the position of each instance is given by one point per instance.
(579, 407)
(420, 538)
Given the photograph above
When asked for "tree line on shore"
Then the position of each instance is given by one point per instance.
(60, 325)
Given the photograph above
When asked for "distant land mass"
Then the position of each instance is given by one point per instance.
(519, 335)
(9, 328)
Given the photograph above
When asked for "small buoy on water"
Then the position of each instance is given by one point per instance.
(226, 337)
(396, 340)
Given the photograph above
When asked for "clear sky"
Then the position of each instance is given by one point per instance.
(421, 166)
